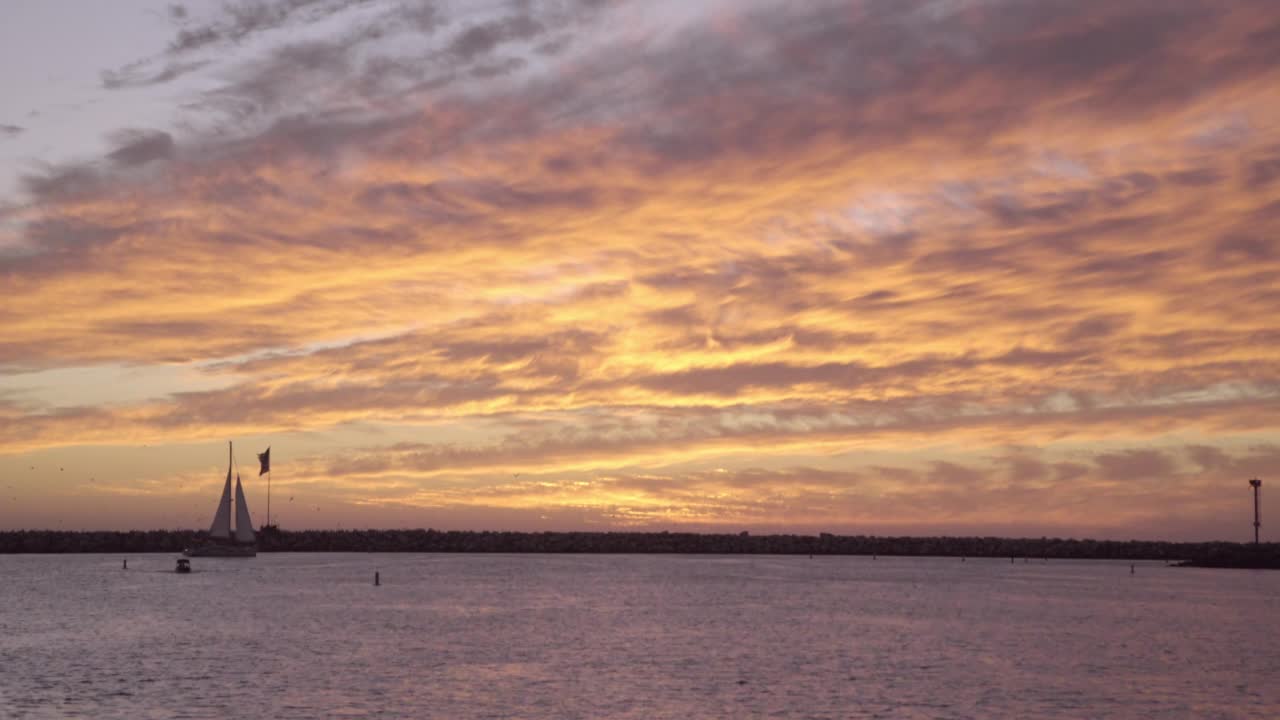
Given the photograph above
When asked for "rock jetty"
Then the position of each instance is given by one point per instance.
(1209, 554)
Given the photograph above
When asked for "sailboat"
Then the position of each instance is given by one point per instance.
(222, 542)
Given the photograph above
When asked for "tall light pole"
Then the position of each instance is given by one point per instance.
(1256, 484)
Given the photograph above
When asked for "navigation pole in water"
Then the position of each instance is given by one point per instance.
(1256, 484)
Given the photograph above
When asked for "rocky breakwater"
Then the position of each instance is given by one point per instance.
(272, 539)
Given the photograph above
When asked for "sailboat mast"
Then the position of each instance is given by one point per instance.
(230, 461)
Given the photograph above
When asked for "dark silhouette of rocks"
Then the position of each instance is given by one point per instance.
(63, 541)
(272, 539)
(1246, 556)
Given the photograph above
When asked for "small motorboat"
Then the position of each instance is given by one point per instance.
(184, 566)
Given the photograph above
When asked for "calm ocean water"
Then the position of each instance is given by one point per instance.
(574, 636)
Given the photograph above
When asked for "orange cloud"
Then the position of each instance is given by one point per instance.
(786, 235)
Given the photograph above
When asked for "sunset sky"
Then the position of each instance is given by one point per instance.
(883, 266)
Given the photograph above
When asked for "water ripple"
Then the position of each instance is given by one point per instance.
(491, 636)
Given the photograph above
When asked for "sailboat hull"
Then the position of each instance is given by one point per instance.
(217, 550)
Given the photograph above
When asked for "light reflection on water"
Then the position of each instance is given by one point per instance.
(594, 636)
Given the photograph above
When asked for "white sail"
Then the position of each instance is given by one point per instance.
(244, 525)
(221, 527)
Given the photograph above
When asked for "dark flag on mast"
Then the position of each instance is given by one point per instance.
(265, 459)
